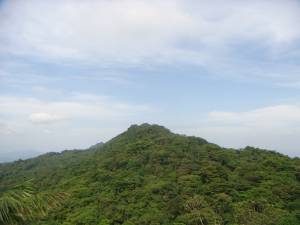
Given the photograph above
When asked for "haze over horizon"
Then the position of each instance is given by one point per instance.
(73, 73)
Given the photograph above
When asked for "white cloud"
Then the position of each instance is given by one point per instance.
(245, 40)
(73, 107)
(77, 121)
(42, 118)
(269, 116)
(275, 127)
(5, 129)
(135, 31)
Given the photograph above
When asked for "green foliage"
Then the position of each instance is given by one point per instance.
(149, 176)
(15, 204)
(21, 204)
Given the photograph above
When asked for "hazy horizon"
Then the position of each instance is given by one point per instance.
(27, 154)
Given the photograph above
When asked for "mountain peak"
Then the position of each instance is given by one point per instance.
(142, 131)
(147, 126)
(146, 129)
(147, 132)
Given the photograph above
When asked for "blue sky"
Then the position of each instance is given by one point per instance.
(73, 73)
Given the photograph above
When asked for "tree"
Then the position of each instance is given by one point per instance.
(22, 203)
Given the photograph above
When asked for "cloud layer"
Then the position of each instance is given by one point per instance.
(24, 119)
(271, 117)
(44, 118)
(135, 31)
(275, 127)
(87, 118)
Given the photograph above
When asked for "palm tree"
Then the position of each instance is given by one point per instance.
(22, 203)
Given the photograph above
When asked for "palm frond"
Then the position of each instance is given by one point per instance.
(22, 203)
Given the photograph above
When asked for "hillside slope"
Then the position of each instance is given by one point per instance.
(149, 175)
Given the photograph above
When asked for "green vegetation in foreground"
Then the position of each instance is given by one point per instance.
(149, 176)
(22, 204)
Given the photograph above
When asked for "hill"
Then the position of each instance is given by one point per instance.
(149, 175)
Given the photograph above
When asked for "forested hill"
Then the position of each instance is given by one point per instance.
(149, 176)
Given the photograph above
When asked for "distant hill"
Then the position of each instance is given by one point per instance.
(11, 156)
(149, 176)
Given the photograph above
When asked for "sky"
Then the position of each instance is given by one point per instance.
(74, 73)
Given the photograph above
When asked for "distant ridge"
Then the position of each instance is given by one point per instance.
(98, 145)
